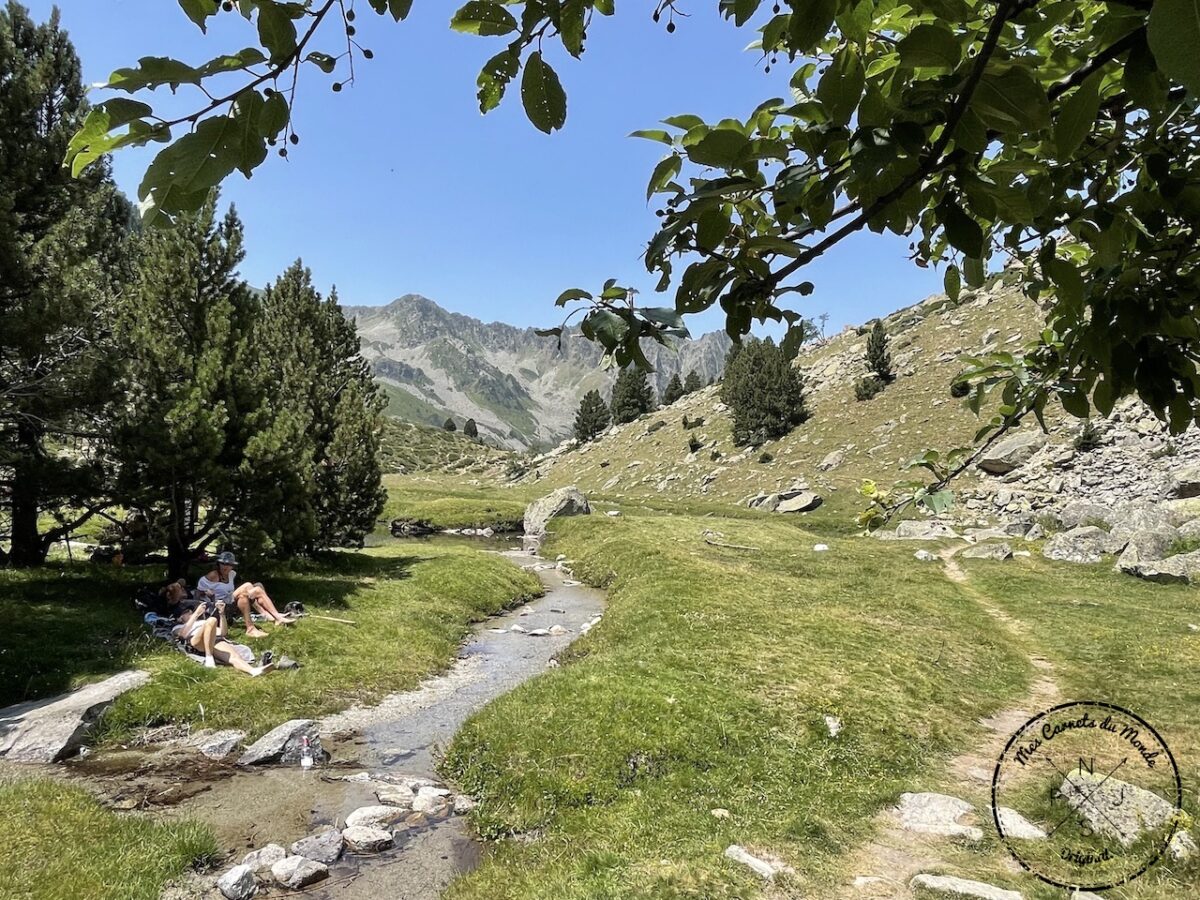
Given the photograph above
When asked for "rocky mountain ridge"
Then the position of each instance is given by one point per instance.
(522, 389)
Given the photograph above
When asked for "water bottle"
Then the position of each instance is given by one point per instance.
(306, 755)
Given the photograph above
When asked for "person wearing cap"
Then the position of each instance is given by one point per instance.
(248, 597)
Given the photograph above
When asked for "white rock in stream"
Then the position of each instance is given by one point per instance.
(323, 847)
(362, 839)
(264, 858)
(539, 632)
(558, 630)
(375, 816)
(296, 872)
(238, 883)
(430, 799)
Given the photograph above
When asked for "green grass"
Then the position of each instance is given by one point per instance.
(705, 688)
(411, 605)
(444, 503)
(421, 448)
(59, 843)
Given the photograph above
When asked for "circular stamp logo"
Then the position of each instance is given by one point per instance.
(1086, 795)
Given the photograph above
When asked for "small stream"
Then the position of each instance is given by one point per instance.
(403, 735)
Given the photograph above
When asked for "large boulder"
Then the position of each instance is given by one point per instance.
(1114, 808)
(1146, 546)
(1182, 510)
(1011, 452)
(216, 744)
(1185, 483)
(1084, 512)
(988, 551)
(1139, 515)
(1085, 544)
(375, 816)
(283, 744)
(364, 839)
(566, 501)
(45, 731)
(1182, 568)
(801, 502)
(238, 883)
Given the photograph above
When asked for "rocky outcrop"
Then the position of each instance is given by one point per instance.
(566, 501)
(411, 528)
(1085, 544)
(45, 731)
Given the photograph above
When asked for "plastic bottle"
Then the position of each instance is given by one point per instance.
(306, 755)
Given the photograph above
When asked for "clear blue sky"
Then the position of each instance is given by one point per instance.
(399, 185)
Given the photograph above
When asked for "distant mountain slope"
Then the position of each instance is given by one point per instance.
(521, 389)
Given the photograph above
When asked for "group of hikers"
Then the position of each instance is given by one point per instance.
(202, 615)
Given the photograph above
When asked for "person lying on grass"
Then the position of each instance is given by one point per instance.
(247, 597)
(178, 601)
(206, 630)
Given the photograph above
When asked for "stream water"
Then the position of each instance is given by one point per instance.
(401, 736)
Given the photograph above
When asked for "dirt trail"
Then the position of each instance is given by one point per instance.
(883, 868)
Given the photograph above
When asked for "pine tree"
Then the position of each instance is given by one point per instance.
(764, 391)
(191, 409)
(449, 425)
(63, 253)
(631, 395)
(879, 359)
(592, 417)
(674, 390)
(471, 430)
(692, 383)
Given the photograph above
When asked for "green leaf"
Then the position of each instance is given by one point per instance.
(653, 134)
(841, 86)
(250, 56)
(810, 23)
(251, 147)
(604, 7)
(712, 228)
(962, 231)
(930, 47)
(183, 174)
(1011, 102)
(276, 30)
(686, 121)
(494, 77)
(572, 22)
(152, 72)
(664, 172)
(721, 147)
(199, 11)
(483, 17)
(1068, 281)
(95, 136)
(398, 8)
(274, 115)
(1174, 33)
(542, 95)
(1077, 117)
(322, 61)
(952, 281)
(572, 294)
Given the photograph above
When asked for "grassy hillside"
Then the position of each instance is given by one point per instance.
(874, 438)
(411, 448)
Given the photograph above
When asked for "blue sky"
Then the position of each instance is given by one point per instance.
(399, 185)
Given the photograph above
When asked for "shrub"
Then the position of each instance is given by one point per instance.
(879, 358)
(715, 454)
(765, 457)
(764, 391)
(693, 443)
(868, 387)
(959, 389)
(692, 423)
(449, 425)
(592, 417)
(673, 390)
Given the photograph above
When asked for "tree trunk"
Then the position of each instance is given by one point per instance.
(27, 548)
(179, 551)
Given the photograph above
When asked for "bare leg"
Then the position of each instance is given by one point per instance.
(226, 655)
(204, 640)
(267, 606)
(242, 598)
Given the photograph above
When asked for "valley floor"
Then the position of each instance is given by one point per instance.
(692, 718)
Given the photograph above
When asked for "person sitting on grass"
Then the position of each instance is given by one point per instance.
(177, 600)
(206, 630)
(247, 597)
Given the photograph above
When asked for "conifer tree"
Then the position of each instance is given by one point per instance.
(470, 429)
(879, 358)
(692, 383)
(673, 391)
(449, 425)
(631, 395)
(63, 245)
(764, 391)
(592, 417)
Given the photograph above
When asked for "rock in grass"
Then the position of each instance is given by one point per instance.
(1015, 825)
(323, 847)
(765, 867)
(264, 858)
(375, 816)
(44, 731)
(1011, 452)
(805, 501)
(918, 530)
(1085, 544)
(925, 556)
(297, 872)
(566, 501)
(238, 883)
(363, 839)
(1114, 808)
(936, 814)
(1182, 846)
(988, 551)
(961, 888)
(283, 744)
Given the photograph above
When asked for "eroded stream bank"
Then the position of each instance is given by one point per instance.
(401, 737)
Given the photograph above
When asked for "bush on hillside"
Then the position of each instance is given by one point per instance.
(766, 457)
(867, 387)
(470, 429)
(692, 383)
(1088, 438)
(959, 389)
(692, 423)
(764, 392)
(673, 391)
(631, 396)
(592, 417)
(694, 443)
(449, 425)
(879, 358)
